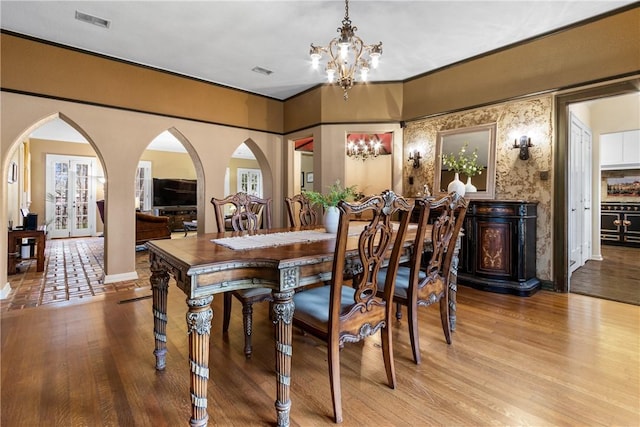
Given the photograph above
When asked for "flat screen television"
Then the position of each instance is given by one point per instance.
(174, 192)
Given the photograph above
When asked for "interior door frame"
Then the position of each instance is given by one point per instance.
(560, 164)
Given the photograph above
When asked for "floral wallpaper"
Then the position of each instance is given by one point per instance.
(515, 179)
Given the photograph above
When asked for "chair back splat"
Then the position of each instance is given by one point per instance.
(307, 215)
(425, 280)
(349, 312)
(249, 213)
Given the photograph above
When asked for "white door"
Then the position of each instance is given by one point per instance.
(587, 189)
(250, 181)
(71, 199)
(580, 171)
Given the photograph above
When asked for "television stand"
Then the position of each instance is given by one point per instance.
(177, 215)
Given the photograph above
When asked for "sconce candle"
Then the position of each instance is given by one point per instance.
(415, 157)
(523, 144)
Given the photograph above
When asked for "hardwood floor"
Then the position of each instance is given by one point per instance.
(549, 359)
(617, 277)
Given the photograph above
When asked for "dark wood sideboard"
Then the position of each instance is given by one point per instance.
(498, 250)
(620, 224)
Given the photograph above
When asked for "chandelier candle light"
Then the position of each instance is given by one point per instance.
(347, 55)
(364, 150)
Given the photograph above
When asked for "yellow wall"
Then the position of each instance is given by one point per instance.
(165, 164)
(587, 53)
(39, 68)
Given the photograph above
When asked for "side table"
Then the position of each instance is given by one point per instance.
(15, 240)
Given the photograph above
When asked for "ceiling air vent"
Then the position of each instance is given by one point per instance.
(261, 70)
(90, 19)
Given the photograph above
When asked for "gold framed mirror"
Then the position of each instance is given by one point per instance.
(480, 139)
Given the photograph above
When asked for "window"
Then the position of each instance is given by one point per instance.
(250, 181)
(143, 185)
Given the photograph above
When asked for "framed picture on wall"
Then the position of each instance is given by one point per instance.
(309, 177)
(302, 179)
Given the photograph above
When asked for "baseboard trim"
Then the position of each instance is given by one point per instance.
(4, 293)
(597, 258)
(112, 278)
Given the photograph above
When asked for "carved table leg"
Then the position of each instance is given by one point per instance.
(199, 329)
(282, 316)
(159, 287)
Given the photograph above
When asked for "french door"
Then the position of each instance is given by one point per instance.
(70, 204)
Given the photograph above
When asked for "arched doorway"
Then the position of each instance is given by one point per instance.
(166, 181)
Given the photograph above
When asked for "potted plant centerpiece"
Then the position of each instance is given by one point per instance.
(465, 164)
(329, 202)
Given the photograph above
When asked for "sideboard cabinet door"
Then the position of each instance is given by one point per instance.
(499, 247)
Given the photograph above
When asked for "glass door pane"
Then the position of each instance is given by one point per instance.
(70, 210)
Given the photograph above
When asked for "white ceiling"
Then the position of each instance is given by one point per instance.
(221, 41)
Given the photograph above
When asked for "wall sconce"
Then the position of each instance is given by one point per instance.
(523, 144)
(415, 157)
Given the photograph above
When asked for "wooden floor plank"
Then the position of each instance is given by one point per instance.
(549, 359)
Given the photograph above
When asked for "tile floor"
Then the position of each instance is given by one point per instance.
(73, 269)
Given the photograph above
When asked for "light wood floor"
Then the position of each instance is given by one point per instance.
(549, 359)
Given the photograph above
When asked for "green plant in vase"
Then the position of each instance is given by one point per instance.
(329, 202)
(462, 164)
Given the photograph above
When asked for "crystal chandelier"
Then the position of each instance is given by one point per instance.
(364, 149)
(347, 55)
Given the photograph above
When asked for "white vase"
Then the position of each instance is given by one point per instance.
(456, 185)
(469, 187)
(331, 218)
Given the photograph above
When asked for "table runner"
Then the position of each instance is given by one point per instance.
(238, 243)
(274, 239)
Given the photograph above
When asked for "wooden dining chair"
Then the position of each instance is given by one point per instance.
(349, 312)
(250, 213)
(423, 283)
(306, 214)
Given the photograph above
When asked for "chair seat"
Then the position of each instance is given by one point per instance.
(312, 306)
(402, 281)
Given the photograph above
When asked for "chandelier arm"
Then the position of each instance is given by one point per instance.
(338, 52)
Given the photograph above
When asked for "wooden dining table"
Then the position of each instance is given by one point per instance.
(211, 264)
